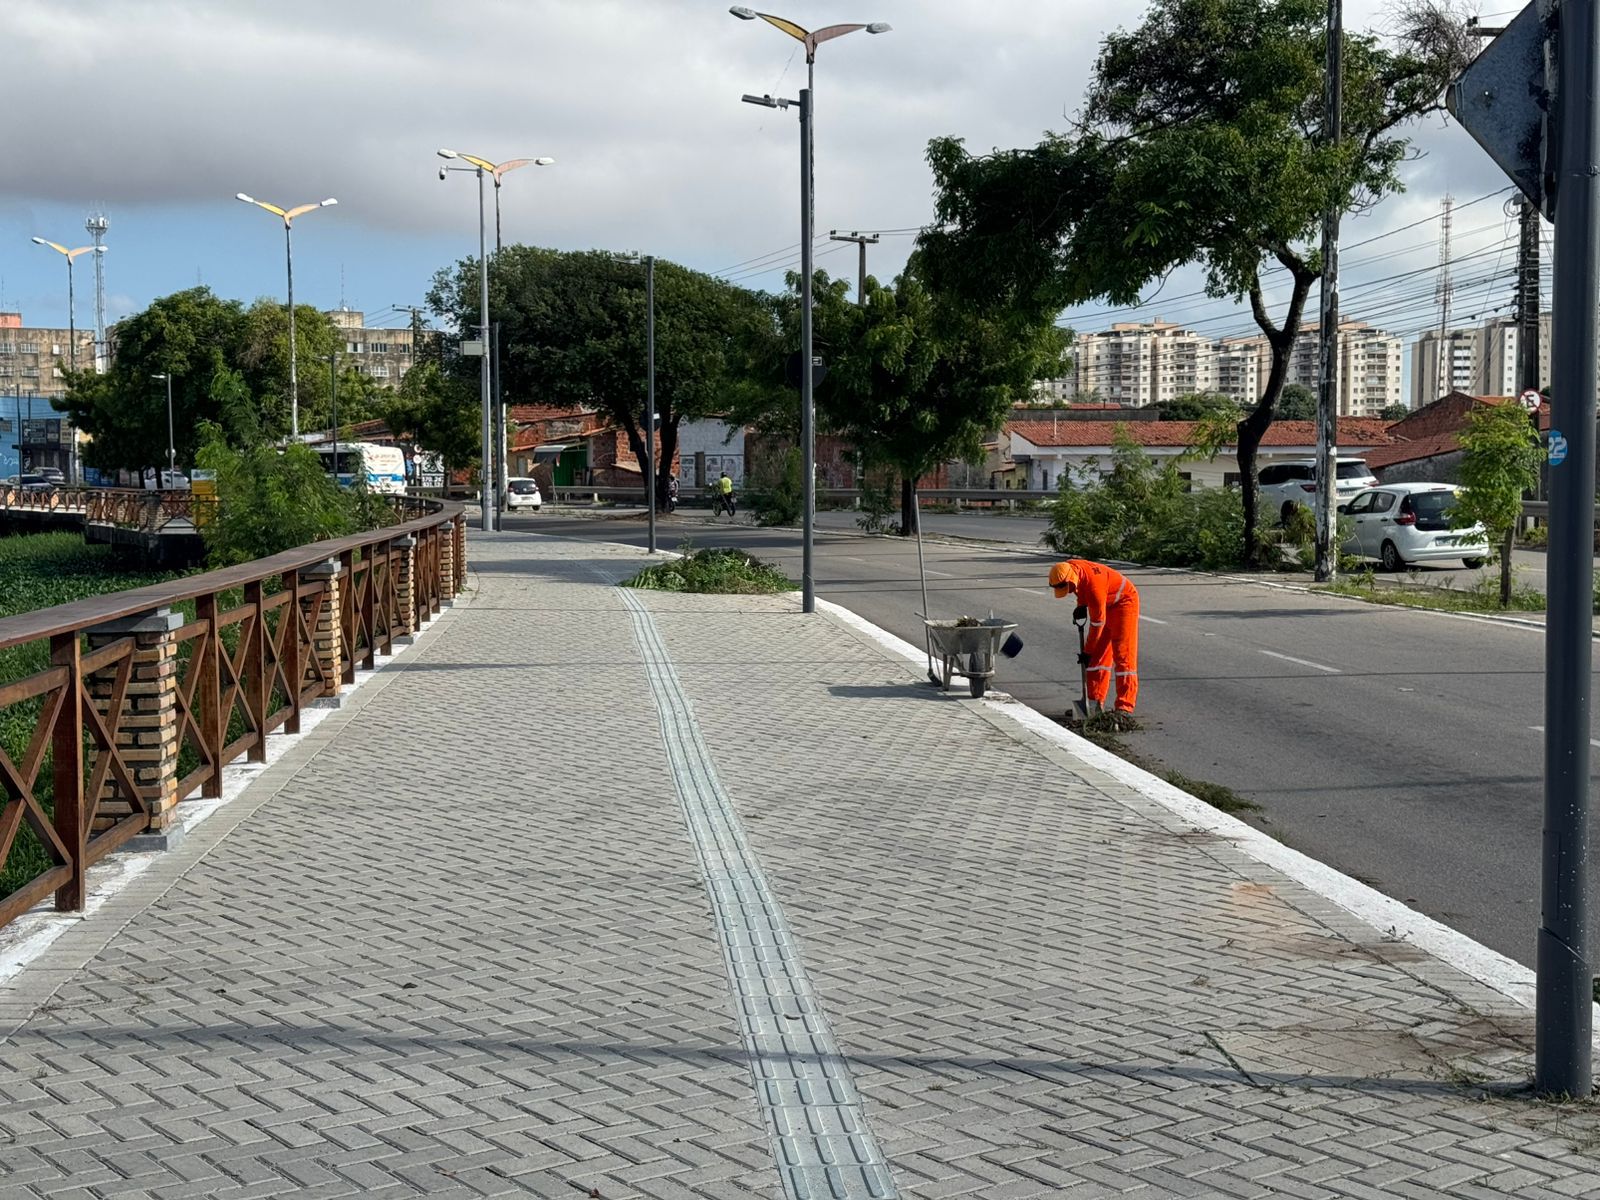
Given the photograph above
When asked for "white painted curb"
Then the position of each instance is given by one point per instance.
(1384, 913)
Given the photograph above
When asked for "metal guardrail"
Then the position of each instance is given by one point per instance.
(150, 692)
(960, 495)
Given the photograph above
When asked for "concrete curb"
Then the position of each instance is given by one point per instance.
(1384, 913)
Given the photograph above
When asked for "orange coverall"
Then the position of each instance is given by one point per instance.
(1113, 633)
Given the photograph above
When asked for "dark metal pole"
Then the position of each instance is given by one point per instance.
(333, 392)
(1327, 565)
(294, 376)
(172, 449)
(486, 476)
(650, 395)
(808, 464)
(1564, 1005)
(503, 467)
(72, 320)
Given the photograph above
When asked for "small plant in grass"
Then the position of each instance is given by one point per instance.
(719, 569)
(878, 504)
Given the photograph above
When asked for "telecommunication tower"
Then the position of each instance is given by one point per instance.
(96, 225)
(1444, 293)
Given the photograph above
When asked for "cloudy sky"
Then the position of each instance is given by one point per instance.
(158, 111)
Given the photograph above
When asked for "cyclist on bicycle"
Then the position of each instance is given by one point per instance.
(725, 493)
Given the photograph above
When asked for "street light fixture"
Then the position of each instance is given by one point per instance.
(288, 215)
(810, 39)
(494, 474)
(72, 306)
(172, 452)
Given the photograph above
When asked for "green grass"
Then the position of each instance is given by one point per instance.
(1103, 733)
(714, 570)
(1481, 597)
(38, 571)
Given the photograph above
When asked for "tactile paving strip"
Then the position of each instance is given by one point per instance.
(823, 1146)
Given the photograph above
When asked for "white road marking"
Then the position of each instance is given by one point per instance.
(941, 574)
(1301, 662)
(1540, 729)
(1152, 620)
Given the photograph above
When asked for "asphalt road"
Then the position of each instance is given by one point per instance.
(1400, 746)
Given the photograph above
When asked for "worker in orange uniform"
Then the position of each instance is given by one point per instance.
(1111, 604)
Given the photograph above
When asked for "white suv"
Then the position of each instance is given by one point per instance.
(1282, 485)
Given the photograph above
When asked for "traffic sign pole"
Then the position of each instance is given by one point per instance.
(1565, 1003)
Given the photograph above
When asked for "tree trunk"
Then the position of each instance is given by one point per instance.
(1505, 565)
(1254, 426)
(908, 508)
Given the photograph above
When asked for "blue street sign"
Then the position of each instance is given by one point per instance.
(1557, 449)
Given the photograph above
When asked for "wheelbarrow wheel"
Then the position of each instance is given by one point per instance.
(947, 672)
(978, 676)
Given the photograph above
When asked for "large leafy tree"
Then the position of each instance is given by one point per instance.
(573, 331)
(1197, 144)
(437, 410)
(917, 378)
(229, 367)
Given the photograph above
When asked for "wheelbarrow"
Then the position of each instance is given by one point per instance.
(967, 649)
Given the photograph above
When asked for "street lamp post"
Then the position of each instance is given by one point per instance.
(810, 39)
(333, 393)
(172, 451)
(496, 171)
(288, 216)
(72, 306)
(650, 394)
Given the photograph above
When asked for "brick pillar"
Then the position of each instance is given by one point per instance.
(147, 734)
(404, 566)
(461, 556)
(327, 639)
(447, 565)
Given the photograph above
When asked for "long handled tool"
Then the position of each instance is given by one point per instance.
(922, 575)
(1085, 708)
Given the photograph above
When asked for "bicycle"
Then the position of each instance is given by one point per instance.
(725, 503)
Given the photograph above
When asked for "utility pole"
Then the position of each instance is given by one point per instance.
(863, 240)
(1327, 565)
(1528, 298)
(808, 436)
(1444, 293)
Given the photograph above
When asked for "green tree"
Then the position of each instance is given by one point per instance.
(1197, 406)
(917, 378)
(1297, 403)
(1198, 144)
(1394, 412)
(269, 500)
(1499, 465)
(436, 411)
(573, 331)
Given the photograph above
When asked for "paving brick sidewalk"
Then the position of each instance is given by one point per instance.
(464, 940)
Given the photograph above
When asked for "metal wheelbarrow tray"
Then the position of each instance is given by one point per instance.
(967, 650)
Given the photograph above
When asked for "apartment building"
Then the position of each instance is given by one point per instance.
(33, 365)
(384, 355)
(1482, 361)
(1139, 363)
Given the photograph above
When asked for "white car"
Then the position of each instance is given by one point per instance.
(522, 493)
(1282, 485)
(1403, 523)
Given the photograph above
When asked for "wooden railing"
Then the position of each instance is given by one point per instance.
(127, 507)
(115, 708)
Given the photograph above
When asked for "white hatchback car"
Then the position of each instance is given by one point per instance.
(1403, 523)
(522, 493)
(1282, 485)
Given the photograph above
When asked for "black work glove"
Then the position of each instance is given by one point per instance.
(1083, 660)
(1081, 613)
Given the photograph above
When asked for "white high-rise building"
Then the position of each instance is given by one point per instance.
(1482, 361)
(1369, 366)
(1143, 363)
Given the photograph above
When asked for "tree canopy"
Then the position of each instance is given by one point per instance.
(1197, 406)
(1197, 145)
(229, 366)
(573, 331)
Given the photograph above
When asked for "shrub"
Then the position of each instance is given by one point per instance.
(270, 500)
(779, 500)
(1143, 512)
(716, 569)
(877, 504)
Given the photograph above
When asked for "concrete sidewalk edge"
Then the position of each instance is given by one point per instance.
(1389, 916)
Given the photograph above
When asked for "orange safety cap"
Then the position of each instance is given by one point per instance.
(1063, 578)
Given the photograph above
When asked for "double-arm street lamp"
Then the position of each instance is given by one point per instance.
(493, 474)
(72, 306)
(810, 39)
(288, 215)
